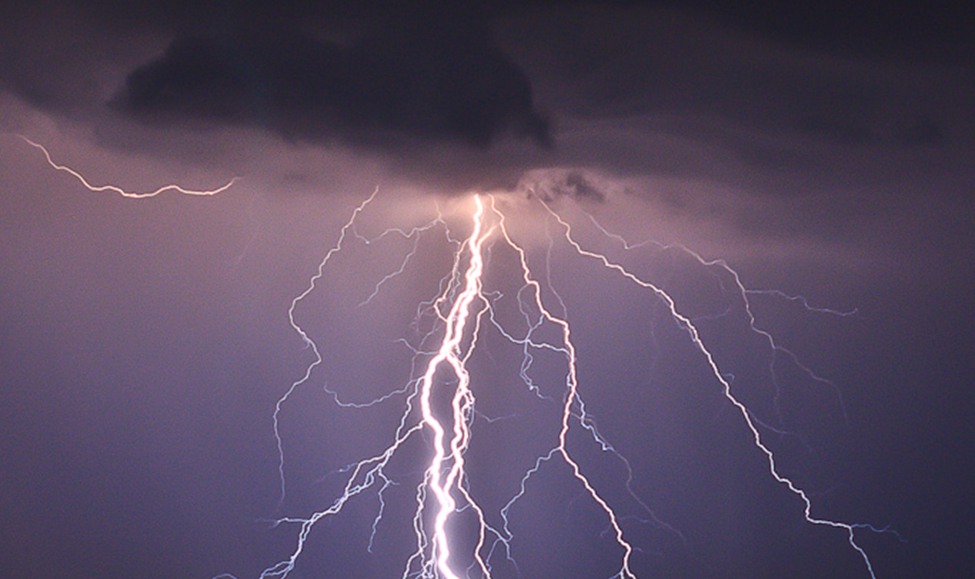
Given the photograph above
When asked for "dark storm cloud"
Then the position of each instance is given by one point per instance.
(666, 92)
(432, 84)
(624, 63)
(712, 93)
(577, 186)
(936, 31)
(370, 74)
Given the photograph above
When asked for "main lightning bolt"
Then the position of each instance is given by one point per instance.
(461, 308)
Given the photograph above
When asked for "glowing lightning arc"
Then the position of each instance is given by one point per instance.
(449, 352)
(119, 190)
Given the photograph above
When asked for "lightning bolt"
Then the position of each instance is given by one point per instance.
(461, 308)
(440, 371)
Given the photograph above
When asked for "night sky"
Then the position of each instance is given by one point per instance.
(823, 151)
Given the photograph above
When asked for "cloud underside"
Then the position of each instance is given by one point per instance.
(450, 100)
(431, 87)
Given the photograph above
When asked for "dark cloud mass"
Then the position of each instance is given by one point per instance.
(428, 83)
(576, 185)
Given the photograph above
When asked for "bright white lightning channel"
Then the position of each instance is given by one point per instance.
(445, 474)
(461, 308)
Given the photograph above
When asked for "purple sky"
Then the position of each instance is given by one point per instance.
(145, 342)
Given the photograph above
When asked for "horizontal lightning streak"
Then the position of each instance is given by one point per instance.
(119, 190)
